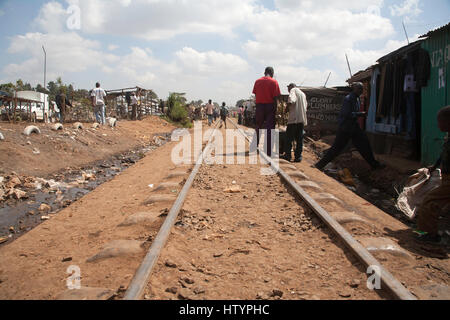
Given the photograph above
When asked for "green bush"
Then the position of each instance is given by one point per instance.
(178, 113)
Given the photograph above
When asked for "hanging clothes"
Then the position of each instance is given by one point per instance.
(371, 116)
(381, 90)
(422, 70)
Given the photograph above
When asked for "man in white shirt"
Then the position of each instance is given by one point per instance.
(98, 96)
(210, 112)
(134, 104)
(297, 107)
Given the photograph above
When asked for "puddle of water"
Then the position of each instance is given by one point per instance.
(18, 214)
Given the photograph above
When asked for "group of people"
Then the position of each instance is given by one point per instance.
(98, 102)
(213, 114)
(267, 92)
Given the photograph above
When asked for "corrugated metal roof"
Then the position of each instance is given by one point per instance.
(403, 50)
(447, 26)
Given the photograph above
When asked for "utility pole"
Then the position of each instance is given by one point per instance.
(325, 85)
(45, 68)
(406, 33)
(348, 64)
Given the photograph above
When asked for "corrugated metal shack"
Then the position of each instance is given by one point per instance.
(436, 94)
(392, 98)
(120, 103)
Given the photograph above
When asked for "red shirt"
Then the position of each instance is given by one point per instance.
(266, 89)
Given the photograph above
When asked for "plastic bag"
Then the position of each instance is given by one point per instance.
(415, 190)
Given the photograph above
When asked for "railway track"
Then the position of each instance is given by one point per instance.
(216, 231)
(298, 185)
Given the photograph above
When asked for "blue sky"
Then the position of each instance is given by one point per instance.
(206, 48)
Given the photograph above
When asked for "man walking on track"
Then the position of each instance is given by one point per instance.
(266, 90)
(297, 106)
(349, 129)
(223, 115)
(210, 112)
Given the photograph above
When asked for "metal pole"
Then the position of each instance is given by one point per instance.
(45, 68)
(406, 33)
(325, 85)
(348, 64)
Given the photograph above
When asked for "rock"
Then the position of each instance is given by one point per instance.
(44, 218)
(262, 296)
(188, 281)
(277, 293)
(170, 264)
(345, 294)
(1, 137)
(172, 290)
(233, 189)
(13, 182)
(89, 176)
(3, 240)
(199, 290)
(45, 208)
(184, 294)
(355, 283)
(218, 255)
(68, 259)
(16, 194)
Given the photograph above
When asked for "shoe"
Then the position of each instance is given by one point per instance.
(286, 158)
(298, 160)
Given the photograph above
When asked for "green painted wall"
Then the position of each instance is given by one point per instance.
(436, 95)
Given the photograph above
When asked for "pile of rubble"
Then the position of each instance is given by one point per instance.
(15, 187)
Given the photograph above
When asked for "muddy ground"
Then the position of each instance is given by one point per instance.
(42, 174)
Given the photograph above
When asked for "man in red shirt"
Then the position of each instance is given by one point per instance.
(266, 91)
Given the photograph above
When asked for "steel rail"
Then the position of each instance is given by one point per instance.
(142, 275)
(387, 279)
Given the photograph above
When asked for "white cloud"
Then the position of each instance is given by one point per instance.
(2, 13)
(211, 62)
(298, 34)
(408, 9)
(295, 36)
(163, 19)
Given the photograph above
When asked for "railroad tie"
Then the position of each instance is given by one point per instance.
(326, 197)
(85, 293)
(384, 245)
(118, 248)
(176, 174)
(141, 218)
(161, 198)
(349, 217)
(309, 185)
(167, 186)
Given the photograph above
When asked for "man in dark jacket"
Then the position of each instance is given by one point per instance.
(349, 129)
(62, 102)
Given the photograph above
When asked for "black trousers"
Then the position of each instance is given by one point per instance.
(294, 132)
(360, 141)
